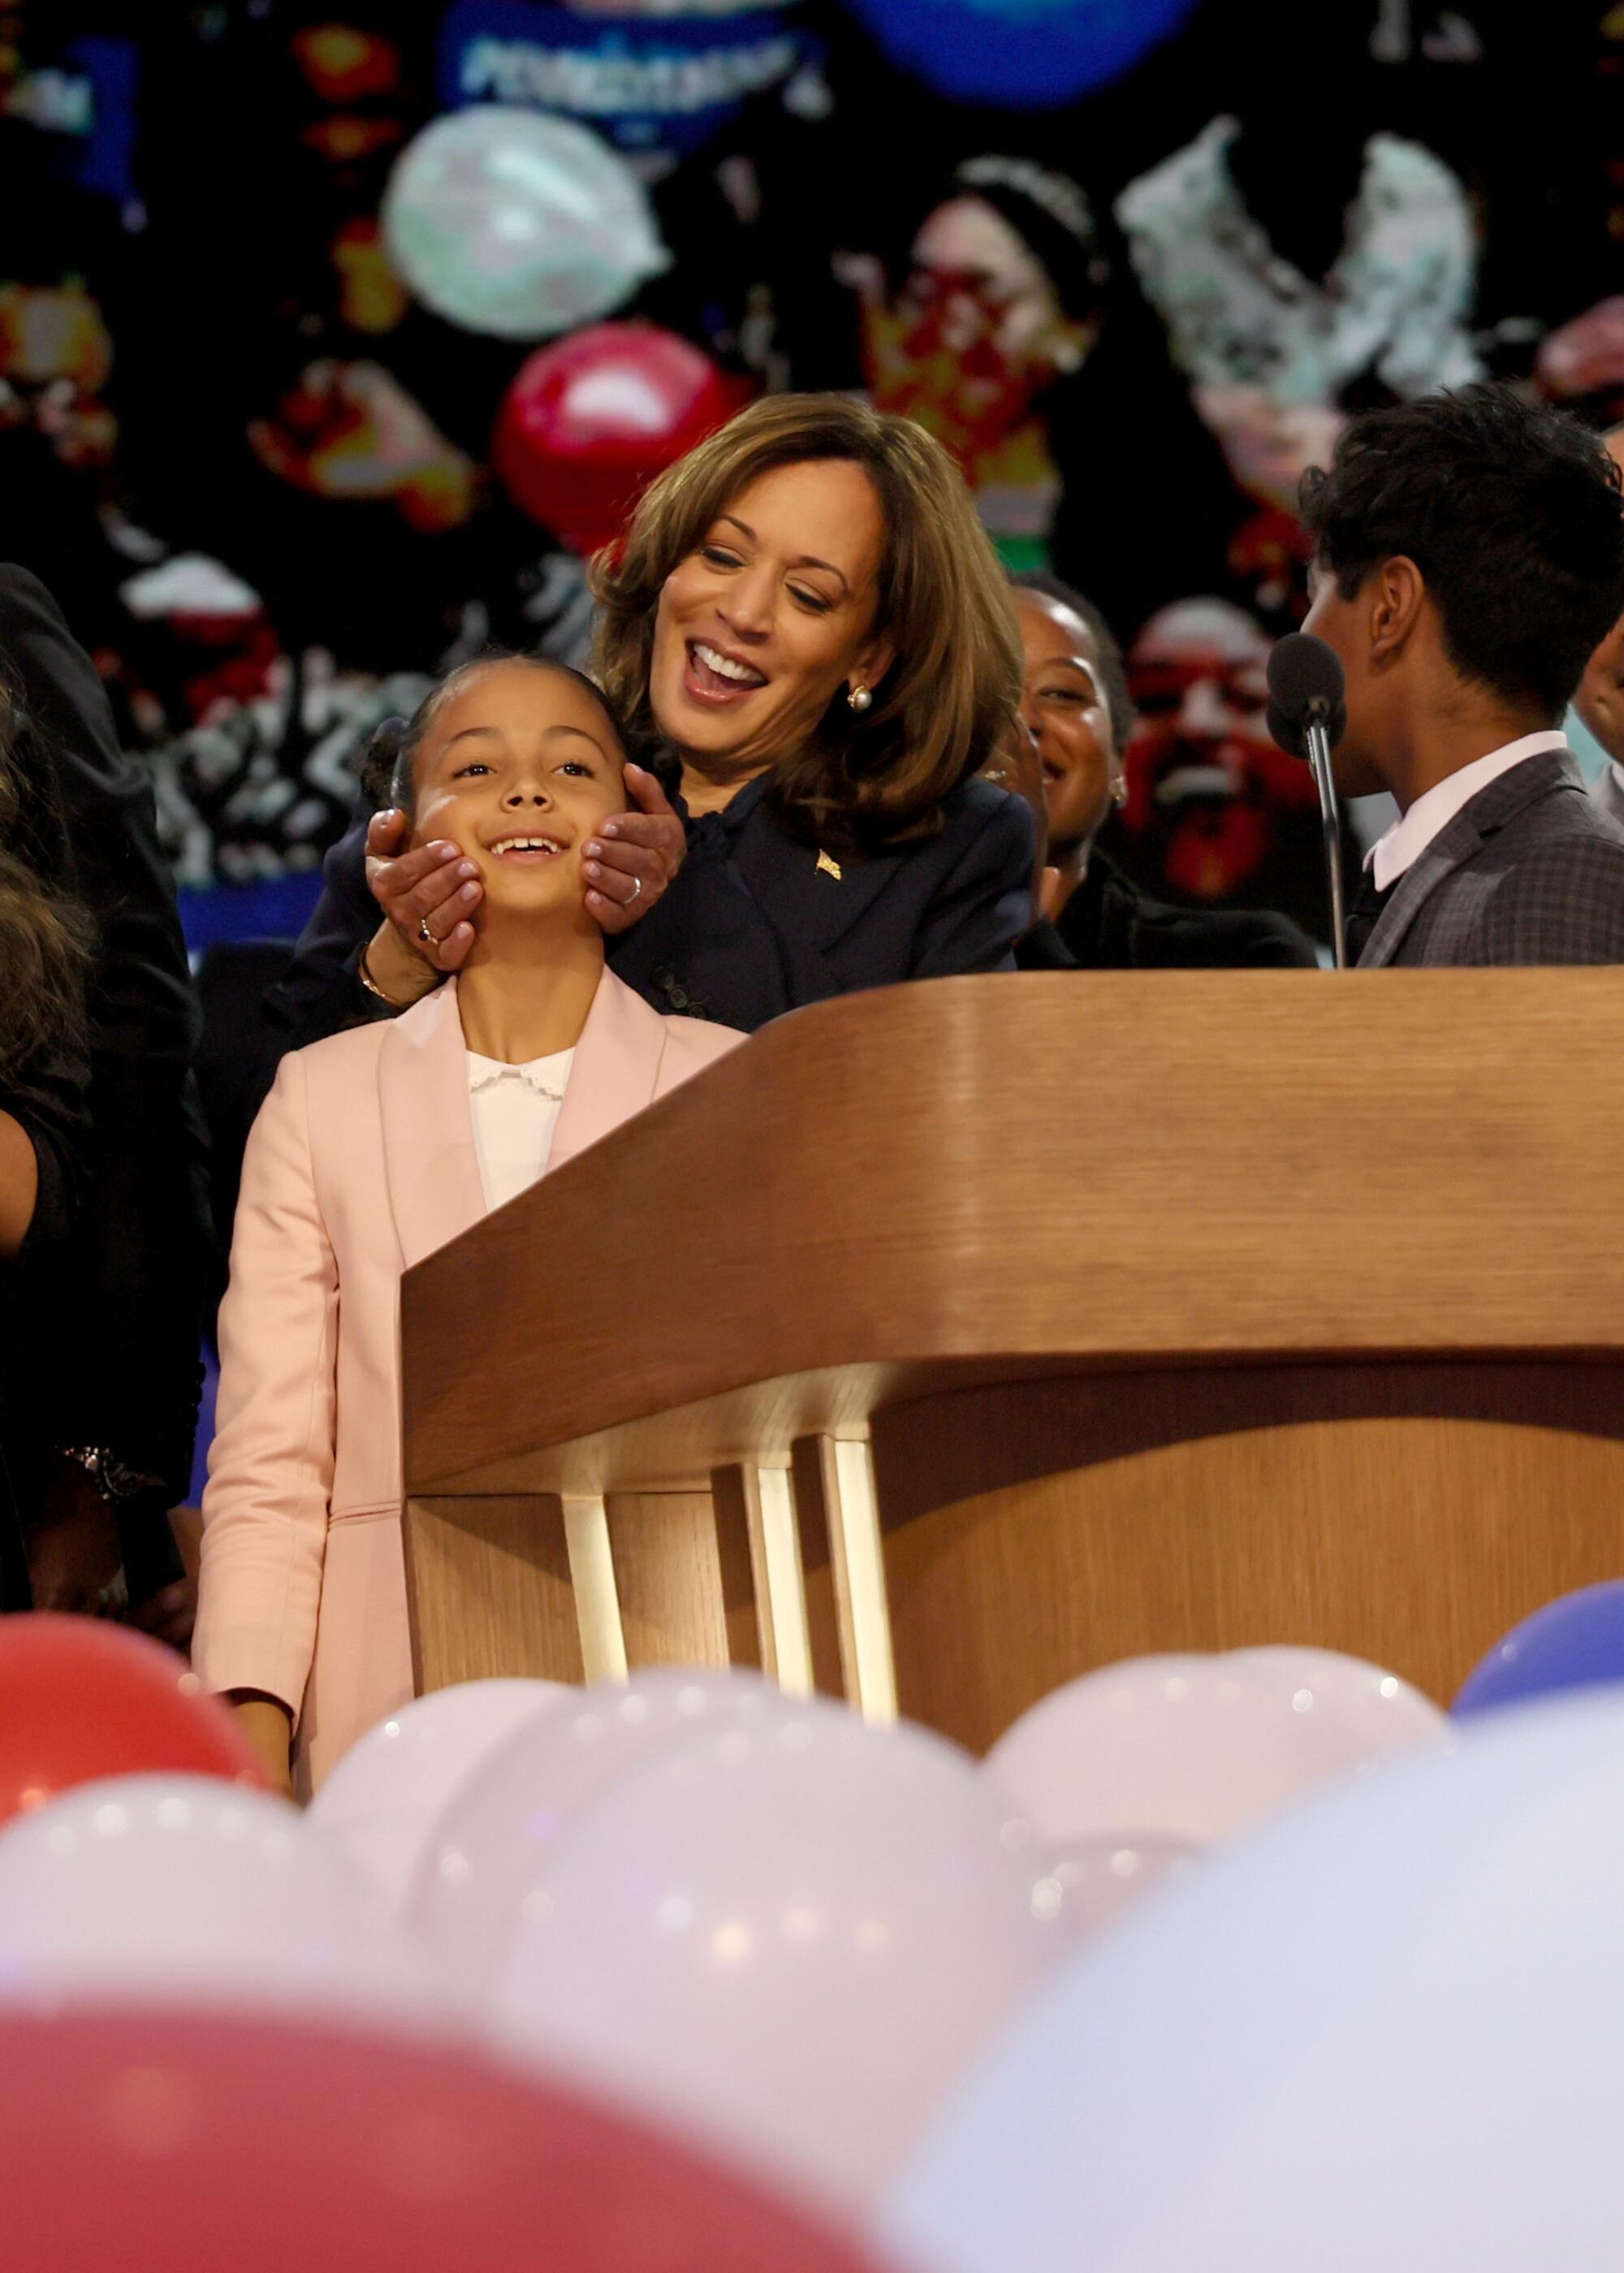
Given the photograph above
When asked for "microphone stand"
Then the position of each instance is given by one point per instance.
(1319, 742)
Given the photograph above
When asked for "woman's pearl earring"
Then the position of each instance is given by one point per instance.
(1118, 790)
(859, 697)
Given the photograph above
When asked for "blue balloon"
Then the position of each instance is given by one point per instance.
(1025, 53)
(1572, 1643)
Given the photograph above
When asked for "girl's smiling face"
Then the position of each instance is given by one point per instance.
(518, 766)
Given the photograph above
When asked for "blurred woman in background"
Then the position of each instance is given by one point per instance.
(1007, 322)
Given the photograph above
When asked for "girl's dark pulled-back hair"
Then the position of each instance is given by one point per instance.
(44, 938)
(388, 761)
(1510, 511)
(947, 701)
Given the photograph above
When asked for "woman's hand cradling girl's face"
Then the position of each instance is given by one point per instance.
(634, 855)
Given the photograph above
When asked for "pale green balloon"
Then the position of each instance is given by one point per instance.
(507, 222)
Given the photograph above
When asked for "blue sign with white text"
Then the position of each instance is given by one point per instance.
(647, 83)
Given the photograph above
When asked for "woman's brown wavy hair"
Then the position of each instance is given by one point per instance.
(880, 775)
(44, 939)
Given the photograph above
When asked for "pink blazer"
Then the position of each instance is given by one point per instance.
(361, 1163)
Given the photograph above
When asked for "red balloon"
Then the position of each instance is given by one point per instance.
(171, 2142)
(590, 421)
(80, 1700)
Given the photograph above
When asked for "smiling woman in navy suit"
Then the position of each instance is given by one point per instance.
(811, 636)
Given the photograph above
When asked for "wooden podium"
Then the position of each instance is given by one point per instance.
(945, 1341)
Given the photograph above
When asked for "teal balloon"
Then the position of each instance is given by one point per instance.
(516, 225)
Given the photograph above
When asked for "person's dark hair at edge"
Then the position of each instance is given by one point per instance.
(45, 940)
(1113, 670)
(1511, 512)
(387, 763)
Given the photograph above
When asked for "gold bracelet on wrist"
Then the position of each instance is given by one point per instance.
(371, 984)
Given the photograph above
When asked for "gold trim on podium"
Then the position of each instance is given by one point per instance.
(597, 1599)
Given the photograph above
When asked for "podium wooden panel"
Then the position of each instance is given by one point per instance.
(1175, 1310)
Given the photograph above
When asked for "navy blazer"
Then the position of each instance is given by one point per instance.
(754, 923)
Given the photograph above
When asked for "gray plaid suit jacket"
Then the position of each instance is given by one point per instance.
(1529, 871)
(1607, 791)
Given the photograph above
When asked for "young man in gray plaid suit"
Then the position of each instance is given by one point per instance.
(1468, 555)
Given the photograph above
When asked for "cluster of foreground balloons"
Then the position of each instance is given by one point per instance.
(1229, 1961)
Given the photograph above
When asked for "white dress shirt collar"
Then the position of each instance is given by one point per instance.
(514, 1110)
(546, 1075)
(1404, 843)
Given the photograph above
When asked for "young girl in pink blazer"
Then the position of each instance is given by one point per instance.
(379, 1145)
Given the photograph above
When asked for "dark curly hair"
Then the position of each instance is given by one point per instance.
(1510, 511)
(44, 936)
(387, 763)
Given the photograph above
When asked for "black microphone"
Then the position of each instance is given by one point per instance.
(1307, 688)
(1307, 717)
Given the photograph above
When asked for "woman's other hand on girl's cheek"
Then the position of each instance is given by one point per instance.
(644, 847)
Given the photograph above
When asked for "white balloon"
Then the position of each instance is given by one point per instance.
(1383, 1712)
(379, 1806)
(188, 1890)
(1089, 1885)
(516, 224)
(487, 1845)
(785, 1940)
(1191, 1748)
(1382, 2031)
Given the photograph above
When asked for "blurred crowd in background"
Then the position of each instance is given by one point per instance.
(333, 340)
